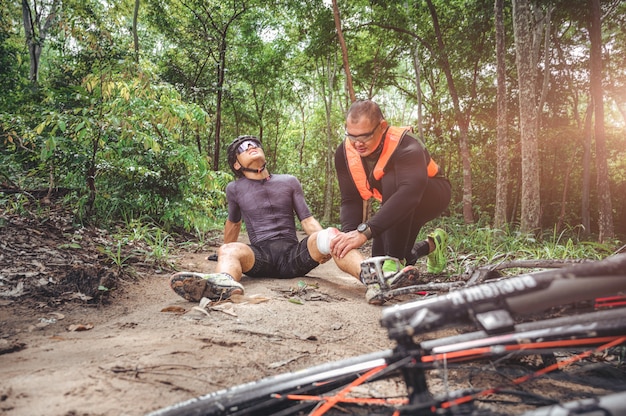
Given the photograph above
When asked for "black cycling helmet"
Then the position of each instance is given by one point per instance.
(232, 152)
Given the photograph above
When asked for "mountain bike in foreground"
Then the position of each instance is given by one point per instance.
(522, 341)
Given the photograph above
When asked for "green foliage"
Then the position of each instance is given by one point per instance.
(144, 240)
(479, 244)
(133, 135)
(116, 255)
(13, 83)
(130, 137)
(15, 204)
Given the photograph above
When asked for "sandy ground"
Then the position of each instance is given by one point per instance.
(150, 348)
(69, 349)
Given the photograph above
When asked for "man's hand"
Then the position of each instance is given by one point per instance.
(344, 242)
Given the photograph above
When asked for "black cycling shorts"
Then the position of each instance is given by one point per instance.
(282, 259)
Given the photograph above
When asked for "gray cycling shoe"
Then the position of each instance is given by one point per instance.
(384, 273)
(195, 286)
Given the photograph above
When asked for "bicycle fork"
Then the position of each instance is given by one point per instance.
(414, 377)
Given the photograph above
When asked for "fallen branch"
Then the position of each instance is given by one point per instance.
(491, 271)
(426, 287)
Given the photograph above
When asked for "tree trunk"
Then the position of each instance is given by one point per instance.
(568, 174)
(218, 105)
(585, 216)
(134, 29)
(302, 108)
(461, 120)
(526, 68)
(36, 34)
(605, 210)
(418, 91)
(344, 52)
(328, 188)
(33, 50)
(502, 174)
(539, 31)
(327, 72)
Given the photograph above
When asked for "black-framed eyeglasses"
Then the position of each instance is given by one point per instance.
(247, 144)
(362, 138)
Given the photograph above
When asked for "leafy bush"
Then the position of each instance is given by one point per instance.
(123, 149)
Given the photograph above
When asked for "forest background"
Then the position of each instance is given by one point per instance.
(122, 110)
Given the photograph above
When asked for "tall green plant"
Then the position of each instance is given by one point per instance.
(130, 142)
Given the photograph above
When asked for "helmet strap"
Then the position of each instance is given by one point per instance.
(259, 170)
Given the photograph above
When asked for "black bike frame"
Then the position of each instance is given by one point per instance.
(491, 306)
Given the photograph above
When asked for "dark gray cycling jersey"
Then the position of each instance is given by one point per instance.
(267, 207)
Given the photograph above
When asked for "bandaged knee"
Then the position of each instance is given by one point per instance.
(324, 238)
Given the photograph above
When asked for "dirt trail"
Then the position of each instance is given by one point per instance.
(68, 350)
(137, 357)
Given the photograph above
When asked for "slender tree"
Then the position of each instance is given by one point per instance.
(344, 52)
(134, 30)
(330, 68)
(605, 210)
(585, 212)
(222, 27)
(418, 90)
(198, 37)
(462, 118)
(502, 175)
(526, 69)
(38, 18)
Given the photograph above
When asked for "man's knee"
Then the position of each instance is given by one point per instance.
(324, 238)
(230, 249)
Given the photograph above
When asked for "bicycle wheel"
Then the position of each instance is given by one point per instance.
(376, 384)
(267, 396)
(394, 382)
(611, 404)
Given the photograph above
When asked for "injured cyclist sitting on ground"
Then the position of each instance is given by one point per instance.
(266, 203)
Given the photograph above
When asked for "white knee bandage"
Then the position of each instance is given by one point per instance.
(324, 238)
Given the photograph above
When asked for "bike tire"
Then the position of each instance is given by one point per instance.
(267, 396)
(255, 398)
(259, 397)
(513, 296)
(610, 404)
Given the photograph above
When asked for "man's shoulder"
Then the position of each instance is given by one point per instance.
(238, 186)
(283, 177)
(285, 181)
(340, 153)
(232, 184)
(411, 142)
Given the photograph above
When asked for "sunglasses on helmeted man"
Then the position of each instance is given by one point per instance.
(246, 145)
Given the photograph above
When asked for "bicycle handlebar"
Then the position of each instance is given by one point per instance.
(491, 304)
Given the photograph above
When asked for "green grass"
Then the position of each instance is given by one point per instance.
(475, 245)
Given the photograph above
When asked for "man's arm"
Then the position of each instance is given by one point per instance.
(351, 212)
(231, 231)
(310, 225)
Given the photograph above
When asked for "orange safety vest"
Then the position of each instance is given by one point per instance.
(357, 171)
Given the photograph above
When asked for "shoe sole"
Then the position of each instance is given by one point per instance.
(377, 298)
(193, 287)
(408, 275)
